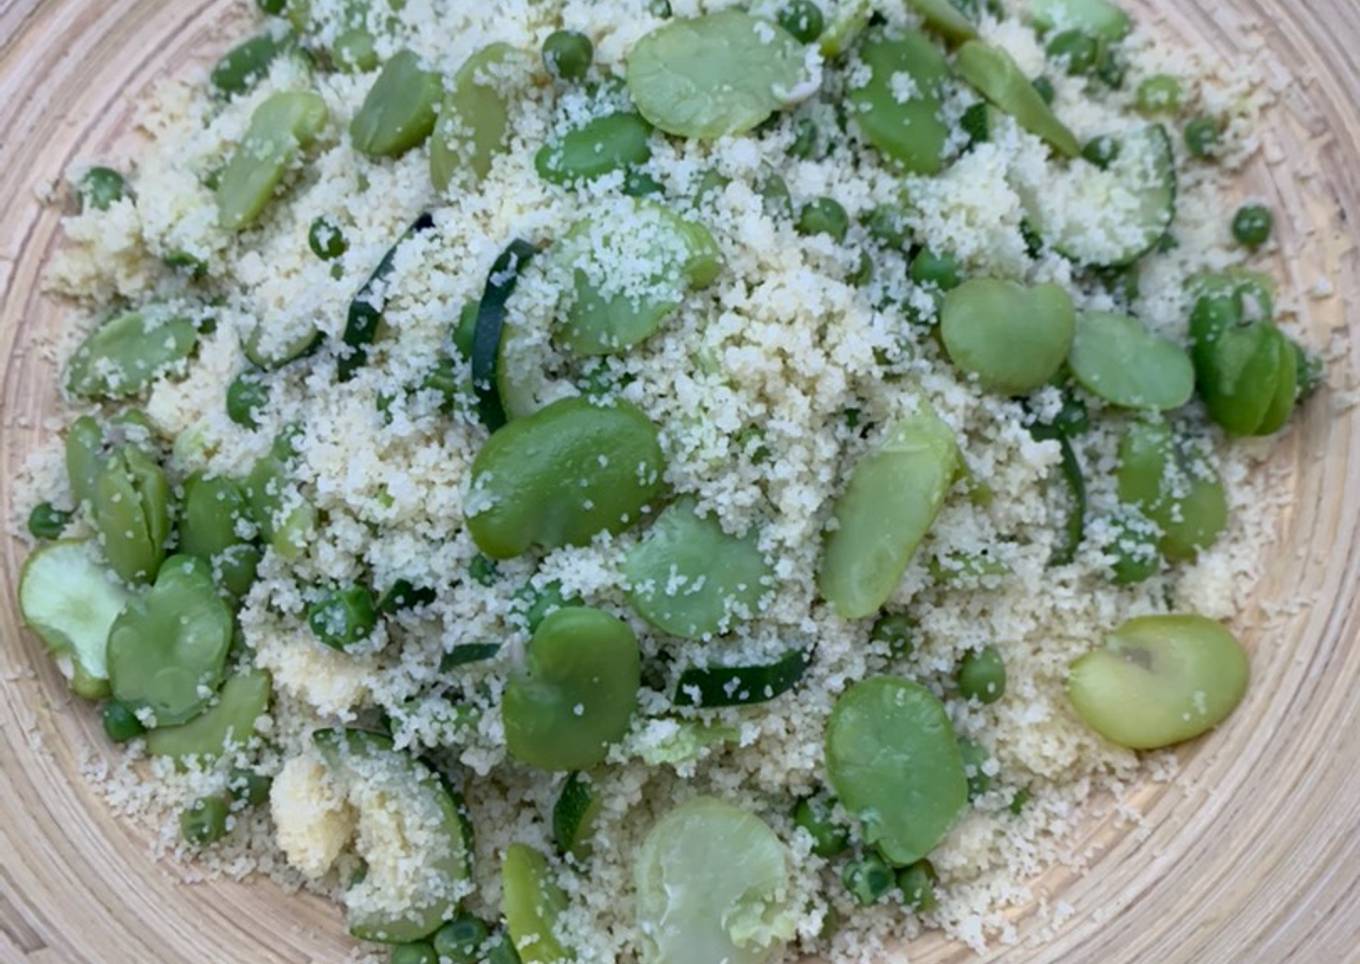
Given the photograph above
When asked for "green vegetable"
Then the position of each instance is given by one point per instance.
(573, 816)
(992, 72)
(1202, 136)
(947, 19)
(892, 497)
(399, 111)
(893, 760)
(355, 51)
(711, 686)
(1114, 357)
(567, 54)
(460, 940)
(1251, 225)
(124, 355)
(888, 225)
(1013, 338)
(167, 649)
(939, 270)
(982, 675)
(975, 756)
(366, 307)
(1101, 151)
(204, 821)
(540, 480)
(868, 878)
(248, 786)
(246, 396)
(1075, 526)
(343, 617)
(100, 188)
(917, 883)
(823, 215)
(71, 601)
(474, 119)
(803, 19)
(691, 579)
(910, 132)
(1159, 680)
(131, 504)
(84, 456)
(813, 814)
(418, 952)
(716, 75)
(120, 723)
(898, 630)
(641, 184)
(468, 653)
(1099, 18)
(490, 335)
(1045, 89)
(326, 239)
(267, 347)
(1158, 94)
(230, 722)
(215, 509)
(532, 903)
(1174, 487)
(405, 595)
(266, 490)
(596, 148)
(283, 125)
(1076, 50)
(46, 521)
(712, 884)
(1134, 546)
(541, 603)
(576, 692)
(246, 63)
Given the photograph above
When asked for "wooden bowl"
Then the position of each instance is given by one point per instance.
(1252, 855)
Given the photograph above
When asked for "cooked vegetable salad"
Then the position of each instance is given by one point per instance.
(675, 482)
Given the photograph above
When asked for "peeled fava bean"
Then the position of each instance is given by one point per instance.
(532, 903)
(561, 475)
(123, 356)
(230, 722)
(1118, 359)
(215, 512)
(596, 148)
(997, 77)
(1174, 487)
(1012, 338)
(894, 493)
(474, 119)
(1159, 680)
(131, 502)
(282, 126)
(908, 130)
(399, 111)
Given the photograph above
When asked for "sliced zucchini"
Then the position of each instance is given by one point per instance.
(574, 816)
(711, 686)
(410, 834)
(1108, 218)
(1074, 528)
(243, 699)
(70, 599)
(490, 335)
(468, 653)
(366, 309)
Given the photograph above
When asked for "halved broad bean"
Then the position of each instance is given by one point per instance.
(355, 50)
(576, 693)
(690, 578)
(532, 903)
(281, 126)
(474, 119)
(167, 648)
(1115, 357)
(715, 75)
(908, 129)
(84, 456)
(561, 475)
(894, 762)
(595, 149)
(1159, 680)
(242, 66)
(265, 487)
(712, 884)
(215, 509)
(894, 493)
(229, 723)
(125, 354)
(1013, 338)
(992, 72)
(399, 111)
(1133, 544)
(1174, 487)
(131, 504)
(1097, 17)
(945, 18)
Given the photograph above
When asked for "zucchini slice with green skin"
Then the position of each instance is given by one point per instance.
(70, 599)
(468, 653)
(231, 721)
(713, 686)
(416, 840)
(573, 816)
(1113, 217)
(1074, 528)
(365, 310)
(486, 337)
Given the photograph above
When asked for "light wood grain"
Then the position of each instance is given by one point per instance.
(1254, 856)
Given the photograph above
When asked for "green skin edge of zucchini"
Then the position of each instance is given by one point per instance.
(361, 324)
(1074, 529)
(740, 685)
(486, 337)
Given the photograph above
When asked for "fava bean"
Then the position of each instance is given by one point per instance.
(355, 50)
(909, 131)
(131, 503)
(532, 903)
(813, 815)
(124, 355)
(917, 883)
(950, 20)
(84, 455)
(283, 125)
(227, 724)
(215, 512)
(343, 617)
(1115, 357)
(474, 120)
(246, 63)
(120, 723)
(1099, 18)
(1013, 338)
(998, 78)
(205, 821)
(1174, 487)
(596, 148)
(399, 111)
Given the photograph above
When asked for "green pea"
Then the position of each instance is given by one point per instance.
(982, 675)
(888, 225)
(272, 7)
(714, 75)
(399, 111)
(863, 273)
(326, 239)
(975, 756)
(46, 521)
(804, 139)
(1076, 50)
(1045, 89)
(659, 8)
(474, 119)
(1134, 547)
(1101, 151)
(1019, 800)
(460, 940)
(939, 270)
(124, 355)
(1159, 94)
(483, 570)
(823, 215)
(100, 188)
(711, 182)
(249, 787)
(992, 72)
(168, 647)
(868, 878)
(576, 692)
(1174, 487)
(120, 723)
(418, 952)
(204, 821)
(908, 131)
(283, 125)
(567, 54)
(813, 814)
(502, 950)
(215, 510)
(355, 51)
(893, 495)
(917, 883)
(1014, 339)
(1159, 680)
(803, 19)
(227, 724)
(1112, 67)
(1114, 357)
(596, 148)
(131, 502)
(1202, 137)
(343, 616)
(246, 396)
(775, 197)
(898, 630)
(903, 810)
(1251, 225)
(246, 63)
